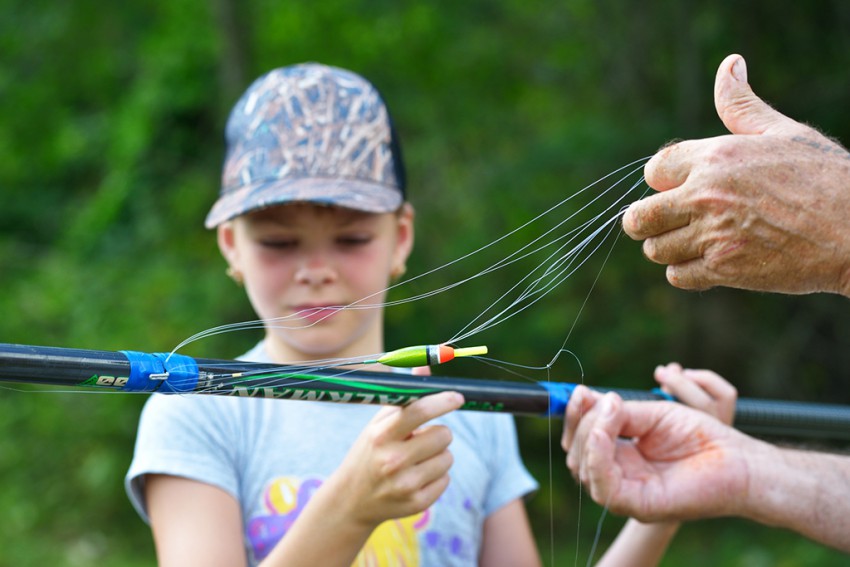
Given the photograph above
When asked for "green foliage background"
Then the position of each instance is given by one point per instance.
(110, 152)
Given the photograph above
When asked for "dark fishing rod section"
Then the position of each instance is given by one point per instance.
(131, 371)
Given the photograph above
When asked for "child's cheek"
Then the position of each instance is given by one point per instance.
(368, 267)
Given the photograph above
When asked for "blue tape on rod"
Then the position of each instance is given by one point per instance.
(182, 372)
(665, 395)
(142, 365)
(559, 396)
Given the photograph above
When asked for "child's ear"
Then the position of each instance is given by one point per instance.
(227, 243)
(404, 236)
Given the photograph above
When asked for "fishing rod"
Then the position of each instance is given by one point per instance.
(171, 373)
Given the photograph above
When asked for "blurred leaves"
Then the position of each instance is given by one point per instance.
(110, 152)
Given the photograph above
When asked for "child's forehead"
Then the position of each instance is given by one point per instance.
(299, 214)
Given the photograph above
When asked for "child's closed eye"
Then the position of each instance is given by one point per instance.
(279, 243)
(353, 240)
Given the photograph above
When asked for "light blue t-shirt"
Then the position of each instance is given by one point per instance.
(272, 454)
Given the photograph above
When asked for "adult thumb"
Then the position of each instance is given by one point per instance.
(741, 111)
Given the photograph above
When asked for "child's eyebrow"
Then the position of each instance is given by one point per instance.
(356, 217)
(292, 220)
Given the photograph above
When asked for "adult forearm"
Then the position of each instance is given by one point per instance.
(804, 491)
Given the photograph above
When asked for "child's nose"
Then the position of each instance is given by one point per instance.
(315, 270)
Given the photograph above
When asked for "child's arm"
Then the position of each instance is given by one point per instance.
(193, 523)
(643, 545)
(507, 540)
(398, 466)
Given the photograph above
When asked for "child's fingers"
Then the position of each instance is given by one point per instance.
(417, 472)
(724, 394)
(673, 380)
(716, 386)
(385, 412)
(434, 467)
(701, 389)
(428, 441)
(429, 493)
(402, 423)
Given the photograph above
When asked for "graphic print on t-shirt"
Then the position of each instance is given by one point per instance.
(394, 542)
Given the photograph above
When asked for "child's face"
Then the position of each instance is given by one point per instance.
(311, 259)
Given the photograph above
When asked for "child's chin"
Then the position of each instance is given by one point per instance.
(316, 349)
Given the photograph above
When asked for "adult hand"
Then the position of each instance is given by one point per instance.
(656, 460)
(398, 466)
(642, 544)
(764, 208)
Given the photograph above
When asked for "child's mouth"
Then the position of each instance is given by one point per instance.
(316, 313)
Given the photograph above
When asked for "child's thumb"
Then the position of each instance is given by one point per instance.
(741, 111)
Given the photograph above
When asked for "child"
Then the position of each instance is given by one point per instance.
(641, 544)
(312, 217)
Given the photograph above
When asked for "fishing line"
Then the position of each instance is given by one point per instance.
(598, 534)
(564, 255)
(557, 267)
(557, 272)
(532, 289)
(572, 251)
(361, 303)
(553, 273)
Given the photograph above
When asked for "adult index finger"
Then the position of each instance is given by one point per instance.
(581, 401)
(655, 215)
(671, 165)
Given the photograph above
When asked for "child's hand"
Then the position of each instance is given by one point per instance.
(397, 466)
(700, 389)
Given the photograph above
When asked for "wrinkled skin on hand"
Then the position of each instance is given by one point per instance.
(655, 460)
(765, 208)
(659, 461)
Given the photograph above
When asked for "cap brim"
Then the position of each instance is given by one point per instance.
(348, 194)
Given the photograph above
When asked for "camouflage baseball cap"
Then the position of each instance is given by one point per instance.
(310, 133)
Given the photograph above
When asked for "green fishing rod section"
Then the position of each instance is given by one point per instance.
(167, 373)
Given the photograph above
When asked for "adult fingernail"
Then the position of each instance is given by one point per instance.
(607, 407)
(739, 70)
